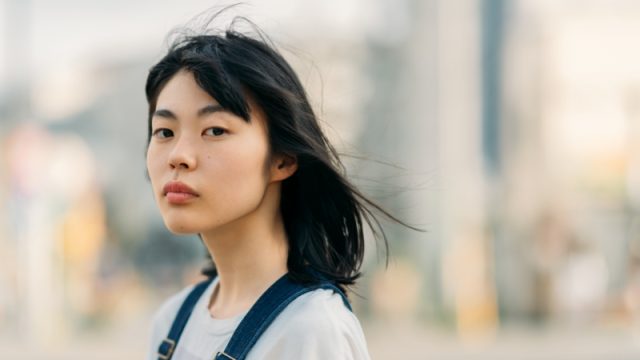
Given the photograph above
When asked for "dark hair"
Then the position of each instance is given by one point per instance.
(322, 212)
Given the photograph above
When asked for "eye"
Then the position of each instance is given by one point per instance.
(162, 133)
(215, 131)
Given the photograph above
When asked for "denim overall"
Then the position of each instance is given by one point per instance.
(259, 317)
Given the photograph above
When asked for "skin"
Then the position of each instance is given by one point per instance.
(228, 162)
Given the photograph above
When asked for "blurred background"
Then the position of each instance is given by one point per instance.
(508, 129)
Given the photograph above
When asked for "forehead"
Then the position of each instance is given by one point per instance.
(182, 90)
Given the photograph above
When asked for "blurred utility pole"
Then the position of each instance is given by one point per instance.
(492, 12)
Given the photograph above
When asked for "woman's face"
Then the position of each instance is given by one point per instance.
(208, 167)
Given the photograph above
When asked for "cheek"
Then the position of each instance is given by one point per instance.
(154, 163)
(243, 170)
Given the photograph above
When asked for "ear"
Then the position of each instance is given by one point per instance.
(283, 166)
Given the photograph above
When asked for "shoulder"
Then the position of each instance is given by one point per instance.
(320, 309)
(315, 325)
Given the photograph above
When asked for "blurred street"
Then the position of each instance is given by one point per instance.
(388, 342)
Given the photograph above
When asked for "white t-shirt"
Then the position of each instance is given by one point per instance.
(317, 325)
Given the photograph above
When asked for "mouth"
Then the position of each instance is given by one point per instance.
(178, 193)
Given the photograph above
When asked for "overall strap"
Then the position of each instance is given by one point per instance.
(168, 345)
(264, 311)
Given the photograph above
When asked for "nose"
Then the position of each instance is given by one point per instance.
(183, 155)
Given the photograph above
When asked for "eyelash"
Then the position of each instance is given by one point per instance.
(158, 131)
(216, 128)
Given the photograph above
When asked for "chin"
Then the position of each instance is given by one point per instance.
(181, 228)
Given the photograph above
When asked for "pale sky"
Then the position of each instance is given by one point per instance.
(65, 33)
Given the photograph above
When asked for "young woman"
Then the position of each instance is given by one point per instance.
(235, 154)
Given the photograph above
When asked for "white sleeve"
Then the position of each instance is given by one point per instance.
(318, 330)
(320, 342)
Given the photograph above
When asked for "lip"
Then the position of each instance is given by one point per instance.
(177, 192)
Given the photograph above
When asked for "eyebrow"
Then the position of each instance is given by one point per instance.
(168, 114)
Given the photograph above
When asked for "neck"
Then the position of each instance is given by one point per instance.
(250, 255)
